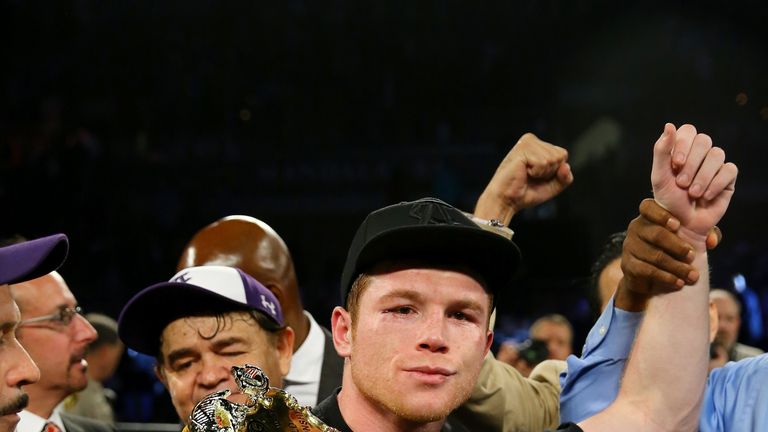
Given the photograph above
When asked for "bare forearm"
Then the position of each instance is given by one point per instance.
(673, 338)
(492, 205)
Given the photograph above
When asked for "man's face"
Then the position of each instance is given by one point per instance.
(418, 341)
(729, 321)
(557, 336)
(16, 367)
(58, 348)
(199, 352)
(608, 281)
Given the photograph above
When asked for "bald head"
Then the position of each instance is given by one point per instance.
(243, 242)
(254, 247)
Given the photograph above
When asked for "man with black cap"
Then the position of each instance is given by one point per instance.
(18, 263)
(201, 323)
(418, 288)
(56, 336)
(532, 172)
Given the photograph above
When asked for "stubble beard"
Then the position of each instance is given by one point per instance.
(77, 376)
(17, 404)
(392, 400)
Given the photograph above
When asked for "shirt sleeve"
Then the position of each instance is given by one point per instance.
(591, 383)
(503, 400)
(736, 397)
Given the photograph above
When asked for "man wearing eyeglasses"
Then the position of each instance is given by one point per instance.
(56, 336)
(18, 263)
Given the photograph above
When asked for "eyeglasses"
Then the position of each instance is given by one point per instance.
(63, 317)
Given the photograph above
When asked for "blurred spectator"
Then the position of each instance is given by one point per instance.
(556, 333)
(103, 357)
(606, 271)
(729, 323)
(524, 356)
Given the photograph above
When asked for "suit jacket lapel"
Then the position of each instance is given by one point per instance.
(332, 369)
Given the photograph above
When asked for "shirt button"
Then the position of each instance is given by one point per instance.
(602, 330)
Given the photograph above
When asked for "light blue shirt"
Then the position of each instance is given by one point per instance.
(735, 399)
(591, 383)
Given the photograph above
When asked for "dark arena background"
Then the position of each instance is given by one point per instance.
(129, 125)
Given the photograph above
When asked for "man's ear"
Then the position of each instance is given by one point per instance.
(341, 329)
(285, 349)
(488, 342)
(276, 289)
(713, 321)
(160, 374)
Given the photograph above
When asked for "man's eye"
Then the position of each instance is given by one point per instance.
(401, 310)
(460, 316)
(232, 353)
(182, 366)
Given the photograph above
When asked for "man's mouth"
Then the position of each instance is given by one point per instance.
(432, 370)
(430, 374)
(79, 359)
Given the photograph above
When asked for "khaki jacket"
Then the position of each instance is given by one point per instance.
(504, 401)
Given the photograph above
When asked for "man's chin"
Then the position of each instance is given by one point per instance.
(77, 382)
(8, 422)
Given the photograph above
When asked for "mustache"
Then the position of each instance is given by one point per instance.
(14, 406)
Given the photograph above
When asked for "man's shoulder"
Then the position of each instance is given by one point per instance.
(742, 351)
(328, 411)
(75, 423)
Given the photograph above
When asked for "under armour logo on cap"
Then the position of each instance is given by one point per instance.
(268, 304)
(181, 277)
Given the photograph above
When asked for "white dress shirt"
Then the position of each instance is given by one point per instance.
(30, 422)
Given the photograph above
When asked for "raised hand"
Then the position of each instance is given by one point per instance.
(532, 172)
(697, 187)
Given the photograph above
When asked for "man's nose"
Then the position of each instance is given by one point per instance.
(213, 373)
(24, 370)
(433, 336)
(84, 330)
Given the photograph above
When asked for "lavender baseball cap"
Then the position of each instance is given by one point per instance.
(33, 258)
(195, 291)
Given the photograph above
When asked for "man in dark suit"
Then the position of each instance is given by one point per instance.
(56, 336)
(254, 247)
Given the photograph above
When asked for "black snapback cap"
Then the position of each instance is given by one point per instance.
(432, 231)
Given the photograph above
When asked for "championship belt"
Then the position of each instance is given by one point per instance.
(267, 409)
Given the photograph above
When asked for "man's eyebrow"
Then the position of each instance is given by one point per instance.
(406, 294)
(180, 353)
(228, 341)
(468, 304)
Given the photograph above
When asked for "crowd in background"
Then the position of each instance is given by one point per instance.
(130, 127)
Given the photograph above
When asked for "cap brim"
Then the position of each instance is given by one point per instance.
(145, 316)
(32, 259)
(491, 256)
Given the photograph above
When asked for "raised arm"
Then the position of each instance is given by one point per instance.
(665, 376)
(532, 172)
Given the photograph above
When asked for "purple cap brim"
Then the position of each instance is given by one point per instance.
(32, 259)
(145, 316)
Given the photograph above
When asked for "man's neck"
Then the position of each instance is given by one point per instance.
(362, 414)
(42, 403)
